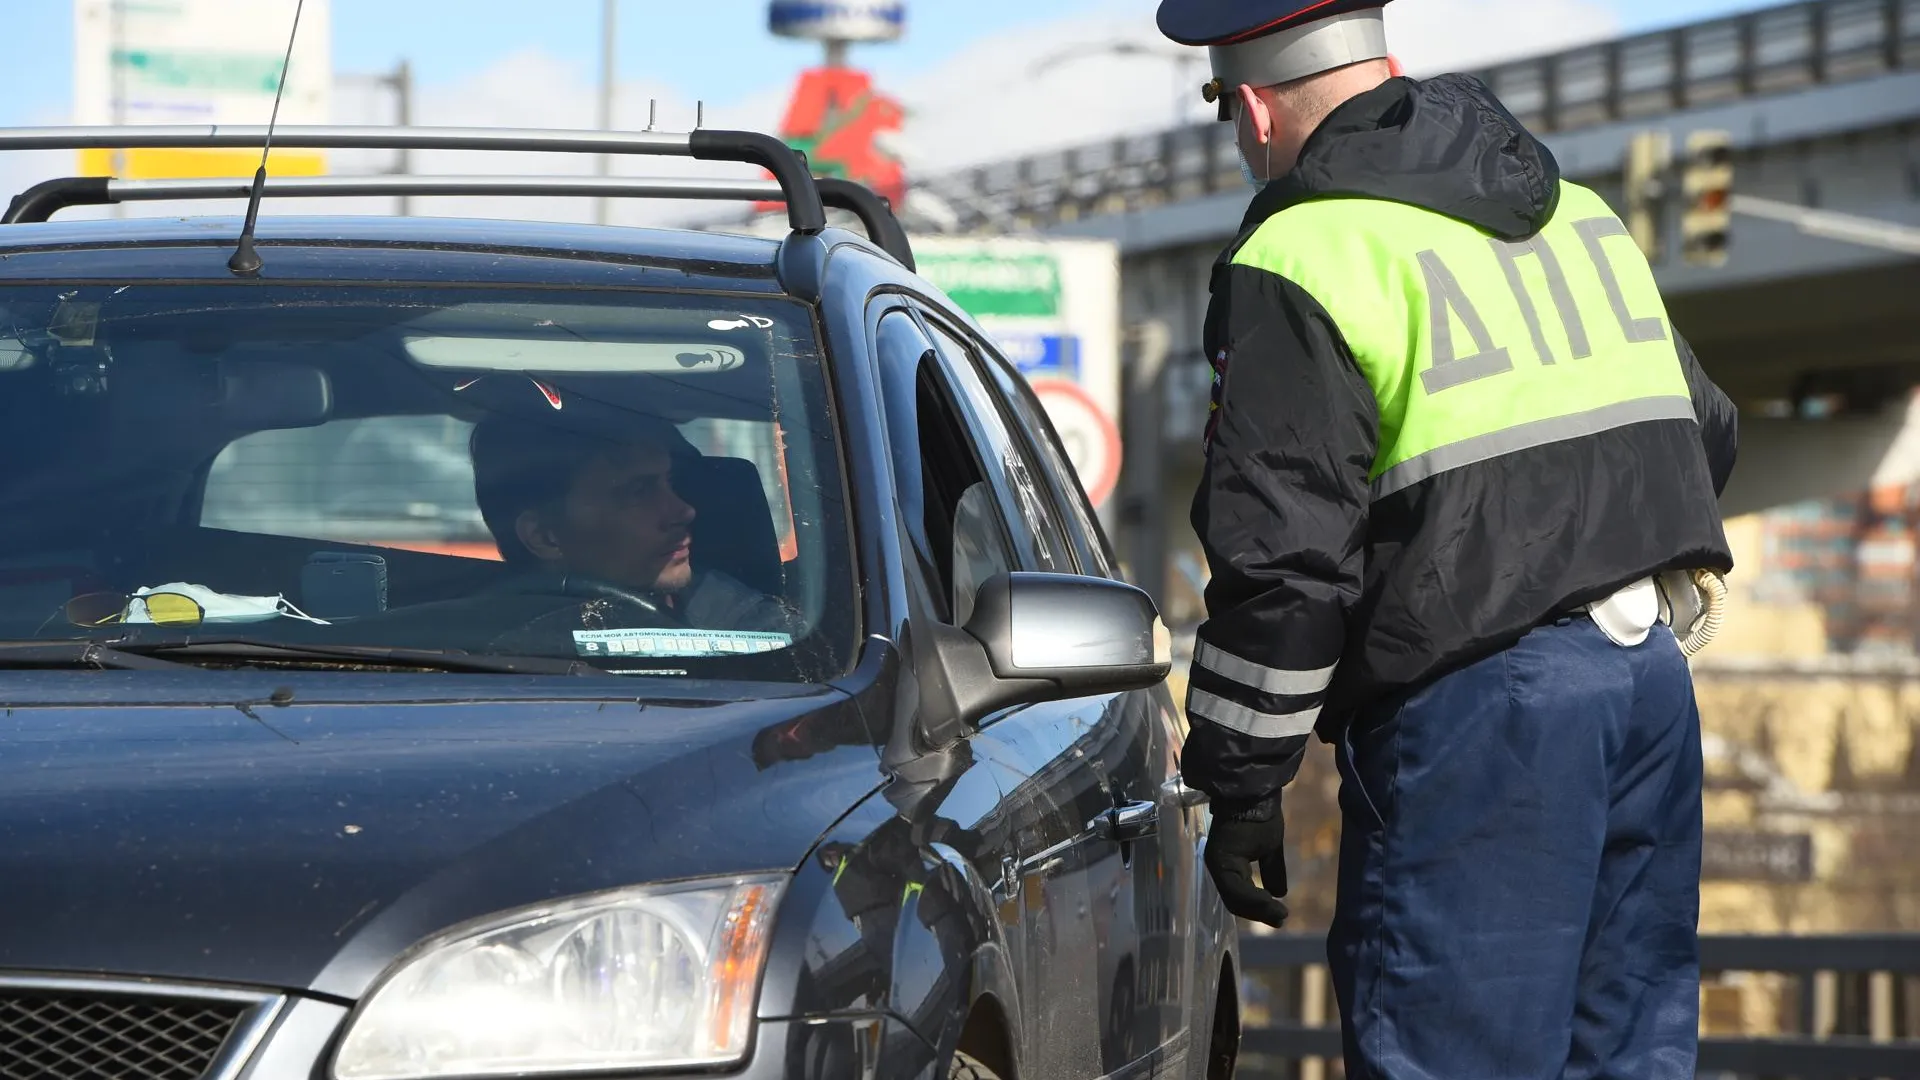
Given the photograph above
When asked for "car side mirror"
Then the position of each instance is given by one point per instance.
(1086, 635)
(1043, 637)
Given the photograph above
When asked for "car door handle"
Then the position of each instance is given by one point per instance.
(1176, 789)
(1128, 823)
(1042, 861)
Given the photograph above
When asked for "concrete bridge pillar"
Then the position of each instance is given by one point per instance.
(1788, 461)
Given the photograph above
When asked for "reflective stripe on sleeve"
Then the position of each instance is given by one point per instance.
(1218, 710)
(1267, 680)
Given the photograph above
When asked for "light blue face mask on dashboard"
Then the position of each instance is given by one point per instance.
(213, 608)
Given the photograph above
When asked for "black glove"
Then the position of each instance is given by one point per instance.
(1241, 837)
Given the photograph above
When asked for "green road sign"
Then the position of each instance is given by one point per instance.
(171, 69)
(990, 285)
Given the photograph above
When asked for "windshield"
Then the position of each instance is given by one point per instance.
(646, 482)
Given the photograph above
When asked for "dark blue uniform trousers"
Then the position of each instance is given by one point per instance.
(1520, 869)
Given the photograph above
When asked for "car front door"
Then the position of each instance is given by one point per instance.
(1166, 870)
(1096, 754)
(958, 531)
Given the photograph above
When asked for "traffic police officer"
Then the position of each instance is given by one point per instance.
(1457, 457)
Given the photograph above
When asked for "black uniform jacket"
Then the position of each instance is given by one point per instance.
(1309, 572)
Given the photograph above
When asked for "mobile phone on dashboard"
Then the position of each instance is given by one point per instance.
(343, 585)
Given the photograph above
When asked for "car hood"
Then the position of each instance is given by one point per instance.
(212, 835)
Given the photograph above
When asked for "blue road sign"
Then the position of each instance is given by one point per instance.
(1056, 355)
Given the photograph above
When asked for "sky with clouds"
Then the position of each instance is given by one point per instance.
(982, 79)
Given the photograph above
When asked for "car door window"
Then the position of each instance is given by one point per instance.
(977, 552)
(1046, 546)
(1089, 541)
(953, 520)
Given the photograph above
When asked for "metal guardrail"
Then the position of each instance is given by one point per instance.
(1864, 665)
(1750, 55)
(1847, 990)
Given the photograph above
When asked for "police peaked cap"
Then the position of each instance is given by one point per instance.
(1268, 42)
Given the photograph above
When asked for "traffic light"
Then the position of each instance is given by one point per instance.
(1707, 184)
(1649, 155)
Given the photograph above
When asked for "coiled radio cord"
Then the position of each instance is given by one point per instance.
(1713, 615)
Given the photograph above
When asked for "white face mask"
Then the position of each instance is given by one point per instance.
(219, 607)
(1247, 174)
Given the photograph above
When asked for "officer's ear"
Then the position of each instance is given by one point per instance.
(1259, 117)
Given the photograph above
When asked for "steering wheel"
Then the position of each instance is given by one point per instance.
(589, 588)
(638, 610)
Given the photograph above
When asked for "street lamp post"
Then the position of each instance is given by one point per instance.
(401, 83)
(398, 83)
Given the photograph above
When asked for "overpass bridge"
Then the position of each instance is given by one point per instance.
(1817, 339)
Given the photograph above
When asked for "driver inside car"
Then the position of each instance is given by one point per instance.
(596, 517)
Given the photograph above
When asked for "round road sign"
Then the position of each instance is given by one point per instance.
(1088, 434)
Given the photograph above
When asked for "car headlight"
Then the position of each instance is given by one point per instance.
(648, 977)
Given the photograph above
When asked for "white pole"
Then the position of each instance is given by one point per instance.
(608, 32)
(116, 73)
(402, 82)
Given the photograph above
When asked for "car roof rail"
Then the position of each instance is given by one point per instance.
(805, 211)
(43, 200)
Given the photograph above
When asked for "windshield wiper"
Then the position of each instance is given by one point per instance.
(64, 654)
(370, 655)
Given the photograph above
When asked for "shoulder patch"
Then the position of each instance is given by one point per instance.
(1216, 396)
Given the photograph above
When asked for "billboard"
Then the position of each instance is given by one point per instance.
(1053, 308)
(838, 20)
(198, 62)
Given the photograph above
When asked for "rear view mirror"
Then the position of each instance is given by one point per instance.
(1041, 637)
(267, 395)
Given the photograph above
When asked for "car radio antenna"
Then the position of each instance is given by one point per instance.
(246, 261)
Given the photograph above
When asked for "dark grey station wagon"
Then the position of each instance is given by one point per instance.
(444, 648)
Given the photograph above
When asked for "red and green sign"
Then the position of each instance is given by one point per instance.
(835, 118)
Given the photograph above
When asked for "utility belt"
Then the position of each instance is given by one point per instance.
(1691, 602)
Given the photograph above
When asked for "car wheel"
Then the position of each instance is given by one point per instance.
(965, 1067)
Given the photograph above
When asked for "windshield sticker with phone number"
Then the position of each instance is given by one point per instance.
(676, 642)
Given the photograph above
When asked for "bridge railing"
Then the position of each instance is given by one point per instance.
(1760, 52)
(1852, 1001)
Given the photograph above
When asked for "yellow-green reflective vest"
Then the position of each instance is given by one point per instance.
(1476, 346)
